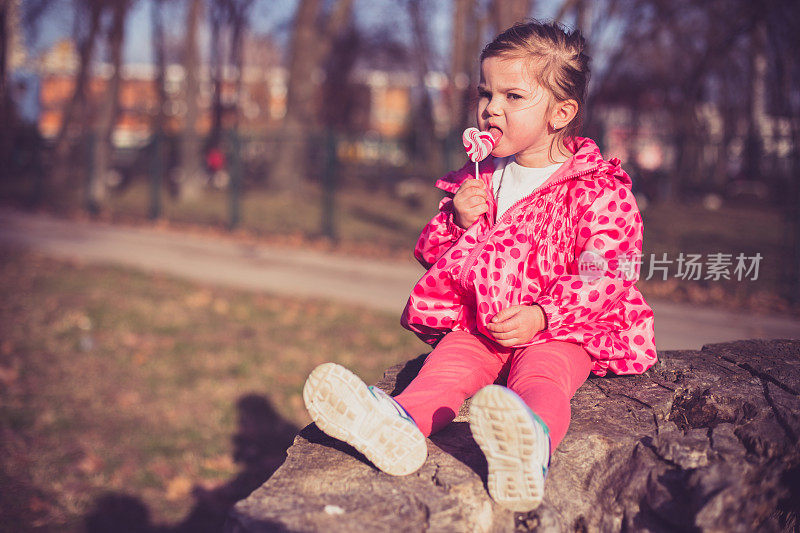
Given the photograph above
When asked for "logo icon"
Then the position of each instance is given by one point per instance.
(591, 266)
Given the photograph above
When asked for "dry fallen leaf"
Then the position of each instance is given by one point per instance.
(198, 299)
(91, 464)
(178, 488)
(221, 306)
(8, 375)
(220, 463)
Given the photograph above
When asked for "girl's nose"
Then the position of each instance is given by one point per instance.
(492, 108)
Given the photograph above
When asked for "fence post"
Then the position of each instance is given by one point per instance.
(156, 175)
(91, 206)
(450, 141)
(796, 244)
(39, 152)
(235, 179)
(329, 187)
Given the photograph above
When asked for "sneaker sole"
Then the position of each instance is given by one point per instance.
(502, 427)
(343, 407)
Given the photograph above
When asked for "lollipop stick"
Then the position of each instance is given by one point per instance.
(476, 170)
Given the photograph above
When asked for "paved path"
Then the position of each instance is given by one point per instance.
(380, 285)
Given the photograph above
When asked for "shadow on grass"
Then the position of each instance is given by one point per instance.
(260, 445)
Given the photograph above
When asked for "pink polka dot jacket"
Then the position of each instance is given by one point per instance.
(573, 247)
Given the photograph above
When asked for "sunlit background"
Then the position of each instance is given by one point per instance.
(321, 124)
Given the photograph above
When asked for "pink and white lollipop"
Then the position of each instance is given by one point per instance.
(478, 144)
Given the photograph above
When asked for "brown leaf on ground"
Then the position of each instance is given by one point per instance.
(220, 463)
(178, 488)
(198, 299)
(8, 375)
(91, 464)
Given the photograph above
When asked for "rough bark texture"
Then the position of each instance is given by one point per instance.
(310, 47)
(704, 441)
(106, 118)
(468, 26)
(74, 112)
(191, 176)
(506, 12)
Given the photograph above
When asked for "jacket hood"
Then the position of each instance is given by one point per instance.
(584, 164)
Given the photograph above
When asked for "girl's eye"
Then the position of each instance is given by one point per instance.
(512, 96)
(484, 94)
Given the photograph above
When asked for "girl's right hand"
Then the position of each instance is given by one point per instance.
(470, 202)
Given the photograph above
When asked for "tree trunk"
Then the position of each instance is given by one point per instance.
(217, 20)
(238, 29)
(583, 17)
(308, 49)
(464, 63)
(191, 171)
(506, 12)
(290, 167)
(160, 60)
(77, 103)
(426, 143)
(754, 149)
(6, 114)
(106, 117)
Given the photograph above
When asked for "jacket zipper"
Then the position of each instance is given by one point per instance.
(473, 255)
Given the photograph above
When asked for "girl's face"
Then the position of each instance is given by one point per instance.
(514, 107)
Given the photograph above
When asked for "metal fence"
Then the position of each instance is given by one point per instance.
(333, 161)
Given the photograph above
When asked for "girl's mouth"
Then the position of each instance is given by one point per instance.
(496, 133)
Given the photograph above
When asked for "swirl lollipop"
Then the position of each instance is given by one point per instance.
(478, 144)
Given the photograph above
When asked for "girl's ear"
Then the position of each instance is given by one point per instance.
(563, 113)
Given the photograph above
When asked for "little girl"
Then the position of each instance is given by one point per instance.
(530, 277)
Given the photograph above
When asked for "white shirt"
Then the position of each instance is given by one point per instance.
(511, 182)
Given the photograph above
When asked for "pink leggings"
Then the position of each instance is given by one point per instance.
(545, 376)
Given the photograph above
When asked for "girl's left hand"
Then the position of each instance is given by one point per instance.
(517, 324)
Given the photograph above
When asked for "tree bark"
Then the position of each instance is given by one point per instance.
(238, 23)
(106, 117)
(757, 96)
(6, 113)
(159, 53)
(309, 47)
(77, 102)
(191, 171)
(426, 144)
(704, 441)
(464, 63)
(217, 20)
(506, 12)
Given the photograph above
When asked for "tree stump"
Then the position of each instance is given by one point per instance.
(705, 440)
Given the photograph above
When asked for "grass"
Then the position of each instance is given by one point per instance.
(691, 229)
(373, 222)
(167, 399)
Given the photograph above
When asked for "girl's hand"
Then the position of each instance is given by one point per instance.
(517, 324)
(470, 202)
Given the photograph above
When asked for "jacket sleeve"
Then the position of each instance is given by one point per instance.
(442, 231)
(608, 251)
(438, 235)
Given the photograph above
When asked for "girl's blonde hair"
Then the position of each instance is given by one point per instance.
(558, 63)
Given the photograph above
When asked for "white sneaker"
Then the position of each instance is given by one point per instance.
(366, 418)
(516, 444)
